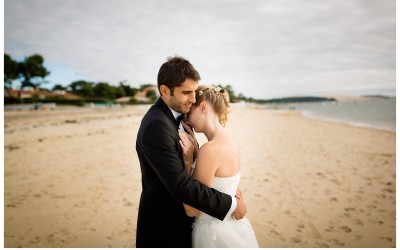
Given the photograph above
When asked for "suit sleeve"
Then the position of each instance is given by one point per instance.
(159, 147)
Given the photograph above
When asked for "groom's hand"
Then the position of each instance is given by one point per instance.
(192, 138)
(241, 208)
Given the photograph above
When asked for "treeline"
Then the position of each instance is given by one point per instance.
(295, 99)
(31, 73)
(98, 92)
(241, 97)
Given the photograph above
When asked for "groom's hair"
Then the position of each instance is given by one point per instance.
(175, 71)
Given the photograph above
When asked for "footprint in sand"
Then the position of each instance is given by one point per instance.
(358, 222)
(275, 233)
(12, 147)
(350, 209)
(330, 229)
(375, 221)
(338, 242)
(71, 121)
(334, 199)
(358, 237)
(127, 203)
(387, 239)
(56, 239)
(322, 245)
(347, 215)
(296, 239)
(300, 227)
(346, 228)
(336, 181)
(389, 190)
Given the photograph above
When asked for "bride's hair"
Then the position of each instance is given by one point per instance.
(218, 98)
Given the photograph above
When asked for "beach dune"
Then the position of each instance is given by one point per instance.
(72, 179)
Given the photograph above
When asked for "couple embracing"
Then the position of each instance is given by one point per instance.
(190, 196)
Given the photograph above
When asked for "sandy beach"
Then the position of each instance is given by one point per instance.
(72, 179)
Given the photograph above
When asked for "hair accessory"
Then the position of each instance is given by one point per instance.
(216, 89)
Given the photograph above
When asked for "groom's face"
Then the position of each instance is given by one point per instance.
(183, 96)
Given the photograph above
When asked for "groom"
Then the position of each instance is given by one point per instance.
(162, 221)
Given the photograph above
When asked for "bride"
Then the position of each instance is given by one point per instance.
(217, 165)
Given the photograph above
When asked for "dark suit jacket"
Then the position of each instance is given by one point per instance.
(162, 221)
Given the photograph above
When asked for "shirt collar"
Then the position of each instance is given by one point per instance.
(174, 113)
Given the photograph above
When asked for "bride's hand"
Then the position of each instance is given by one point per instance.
(192, 138)
(187, 150)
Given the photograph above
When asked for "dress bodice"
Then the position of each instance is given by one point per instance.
(226, 185)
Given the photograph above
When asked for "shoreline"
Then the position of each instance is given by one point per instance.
(320, 118)
(352, 124)
(324, 111)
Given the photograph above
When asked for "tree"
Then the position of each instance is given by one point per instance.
(142, 87)
(10, 69)
(152, 94)
(58, 87)
(129, 91)
(231, 92)
(10, 72)
(43, 89)
(133, 95)
(134, 92)
(82, 88)
(30, 69)
(119, 92)
(103, 89)
(241, 97)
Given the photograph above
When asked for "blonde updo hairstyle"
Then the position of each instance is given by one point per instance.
(218, 98)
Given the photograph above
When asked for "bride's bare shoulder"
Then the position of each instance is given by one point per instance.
(208, 146)
(208, 149)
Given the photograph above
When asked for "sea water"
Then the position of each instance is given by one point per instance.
(372, 112)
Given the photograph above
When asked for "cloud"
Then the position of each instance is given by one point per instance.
(261, 48)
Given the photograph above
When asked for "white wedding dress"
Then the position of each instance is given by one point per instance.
(211, 232)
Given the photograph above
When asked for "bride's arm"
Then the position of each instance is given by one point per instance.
(204, 171)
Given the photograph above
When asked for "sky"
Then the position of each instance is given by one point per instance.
(263, 49)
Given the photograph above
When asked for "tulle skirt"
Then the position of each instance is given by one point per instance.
(210, 232)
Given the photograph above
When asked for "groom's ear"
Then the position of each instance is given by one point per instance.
(164, 90)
